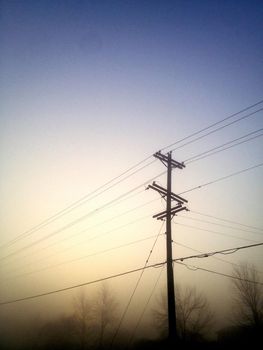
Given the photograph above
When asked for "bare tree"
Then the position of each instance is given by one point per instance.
(83, 316)
(105, 308)
(94, 317)
(248, 299)
(160, 317)
(193, 313)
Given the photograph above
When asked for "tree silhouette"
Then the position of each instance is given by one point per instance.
(193, 314)
(104, 311)
(83, 317)
(94, 317)
(248, 297)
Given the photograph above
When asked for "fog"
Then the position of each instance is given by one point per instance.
(90, 91)
(112, 320)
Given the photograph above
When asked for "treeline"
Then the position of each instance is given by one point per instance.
(94, 323)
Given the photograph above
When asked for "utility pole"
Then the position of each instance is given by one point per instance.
(169, 214)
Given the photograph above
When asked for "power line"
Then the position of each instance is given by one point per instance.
(218, 224)
(186, 246)
(100, 235)
(195, 268)
(224, 251)
(86, 197)
(82, 284)
(79, 202)
(198, 251)
(145, 306)
(212, 125)
(72, 223)
(158, 278)
(214, 257)
(135, 288)
(156, 265)
(226, 220)
(94, 211)
(218, 150)
(218, 129)
(181, 259)
(215, 232)
(223, 178)
(82, 257)
(89, 228)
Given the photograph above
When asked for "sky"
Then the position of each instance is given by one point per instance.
(91, 88)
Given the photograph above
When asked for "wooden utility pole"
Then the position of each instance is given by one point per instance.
(169, 256)
(168, 214)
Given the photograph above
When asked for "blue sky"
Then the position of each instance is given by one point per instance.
(94, 67)
(89, 88)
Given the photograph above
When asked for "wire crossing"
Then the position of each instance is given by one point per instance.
(156, 265)
(135, 288)
(224, 251)
(125, 174)
(195, 268)
(121, 196)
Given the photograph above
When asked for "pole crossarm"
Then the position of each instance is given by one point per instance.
(163, 192)
(164, 159)
(174, 210)
(168, 214)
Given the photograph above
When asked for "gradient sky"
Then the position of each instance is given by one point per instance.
(90, 88)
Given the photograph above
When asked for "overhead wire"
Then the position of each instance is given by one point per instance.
(145, 306)
(79, 202)
(223, 251)
(195, 268)
(81, 284)
(222, 178)
(181, 259)
(103, 234)
(204, 229)
(215, 232)
(156, 265)
(214, 124)
(74, 222)
(220, 148)
(100, 252)
(120, 227)
(194, 188)
(226, 220)
(87, 197)
(89, 228)
(217, 129)
(134, 290)
(203, 184)
(96, 210)
(214, 257)
(217, 224)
